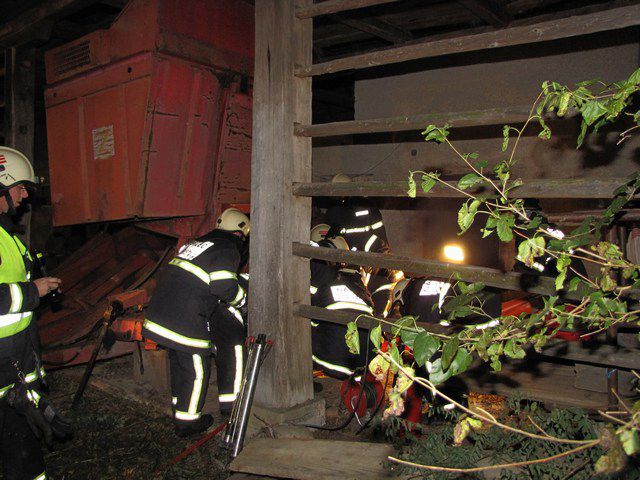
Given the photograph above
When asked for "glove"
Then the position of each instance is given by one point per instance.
(26, 402)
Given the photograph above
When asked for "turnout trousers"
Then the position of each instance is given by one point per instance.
(330, 351)
(190, 374)
(22, 457)
(228, 336)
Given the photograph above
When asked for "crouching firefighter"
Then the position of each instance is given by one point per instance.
(338, 288)
(199, 294)
(26, 417)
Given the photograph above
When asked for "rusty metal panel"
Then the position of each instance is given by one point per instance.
(234, 152)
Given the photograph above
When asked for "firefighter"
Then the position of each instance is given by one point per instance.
(338, 287)
(22, 409)
(425, 298)
(198, 295)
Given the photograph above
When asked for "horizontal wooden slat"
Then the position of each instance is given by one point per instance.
(493, 116)
(599, 354)
(607, 20)
(335, 6)
(489, 276)
(547, 188)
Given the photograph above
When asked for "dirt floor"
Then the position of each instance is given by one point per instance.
(124, 430)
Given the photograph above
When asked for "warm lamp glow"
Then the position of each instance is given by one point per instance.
(453, 253)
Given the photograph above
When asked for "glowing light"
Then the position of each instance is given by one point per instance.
(453, 253)
(399, 275)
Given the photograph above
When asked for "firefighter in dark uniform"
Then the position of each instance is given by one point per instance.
(337, 288)
(425, 297)
(359, 222)
(22, 408)
(199, 294)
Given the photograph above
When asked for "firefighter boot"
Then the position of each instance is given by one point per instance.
(186, 429)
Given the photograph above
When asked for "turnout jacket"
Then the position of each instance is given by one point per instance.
(425, 298)
(18, 298)
(360, 223)
(203, 274)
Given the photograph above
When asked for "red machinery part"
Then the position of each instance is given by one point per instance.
(149, 115)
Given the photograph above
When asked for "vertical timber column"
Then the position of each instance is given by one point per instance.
(20, 92)
(278, 279)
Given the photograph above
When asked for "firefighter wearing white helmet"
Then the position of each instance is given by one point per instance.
(200, 305)
(337, 287)
(22, 419)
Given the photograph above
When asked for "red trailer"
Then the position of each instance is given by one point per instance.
(148, 121)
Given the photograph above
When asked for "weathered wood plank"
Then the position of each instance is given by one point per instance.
(30, 20)
(487, 11)
(279, 158)
(532, 188)
(489, 276)
(314, 459)
(493, 116)
(377, 28)
(335, 6)
(598, 354)
(613, 19)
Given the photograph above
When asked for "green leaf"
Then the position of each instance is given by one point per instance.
(352, 338)
(607, 283)
(504, 230)
(469, 180)
(629, 440)
(412, 187)
(424, 346)
(439, 134)
(394, 353)
(428, 182)
(563, 103)
(461, 361)
(505, 138)
(438, 375)
(634, 78)
(496, 364)
(402, 324)
(466, 214)
(583, 132)
(562, 276)
(573, 284)
(449, 351)
(592, 110)
(376, 336)
(513, 350)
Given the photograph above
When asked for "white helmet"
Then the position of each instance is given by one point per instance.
(341, 178)
(319, 232)
(398, 290)
(338, 243)
(15, 168)
(233, 220)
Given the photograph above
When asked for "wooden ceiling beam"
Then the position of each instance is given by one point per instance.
(487, 11)
(377, 28)
(16, 30)
(532, 188)
(336, 6)
(550, 29)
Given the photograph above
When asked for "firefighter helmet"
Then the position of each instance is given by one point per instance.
(398, 290)
(341, 178)
(338, 243)
(319, 232)
(15, 169)
(233, 220)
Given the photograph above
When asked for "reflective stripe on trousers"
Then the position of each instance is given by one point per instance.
(192, 413)
(237, 379)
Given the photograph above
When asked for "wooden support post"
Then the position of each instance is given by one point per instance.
(19, 121)
(278, 279)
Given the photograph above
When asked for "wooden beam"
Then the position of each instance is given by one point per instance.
(277, 217)
(493, 116)
(487, 11)
(340, 317)
(377, 28)
(532, 188)
(613, 19)
(627, 215)
(335, 6)
(489, 276)
(31, 20)
(598, 354)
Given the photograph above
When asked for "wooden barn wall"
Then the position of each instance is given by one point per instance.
(501, 78)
